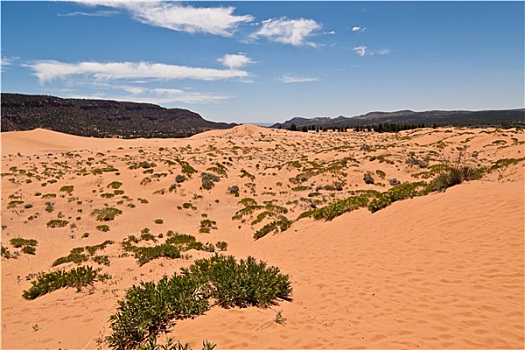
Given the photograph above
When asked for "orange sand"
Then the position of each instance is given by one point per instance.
(441, 271)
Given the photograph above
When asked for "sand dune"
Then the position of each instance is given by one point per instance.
(443, 270)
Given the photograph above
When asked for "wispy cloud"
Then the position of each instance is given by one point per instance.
(49, 70)
(364, 51)
(288, 31)
(358, 29)
(360, 50)
(212, 20)
(6, 62)
(235, 61)
(288, 79)
(89, 14)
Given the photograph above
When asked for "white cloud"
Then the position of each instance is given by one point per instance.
(89, 14)
(6, 62)
(288, 31)
(364, 51)
(50, 70)
(360, 50)
(288, 79)
(235, 61)
(177, 95)
(330, 32)
(358, 29)
(170, 15)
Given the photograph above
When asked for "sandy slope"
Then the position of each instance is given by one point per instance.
(440, 271)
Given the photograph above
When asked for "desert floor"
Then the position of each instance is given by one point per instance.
(445, 270)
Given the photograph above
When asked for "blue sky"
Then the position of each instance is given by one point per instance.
(251, 62)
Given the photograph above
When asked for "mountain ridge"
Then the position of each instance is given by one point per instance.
(437, 117)
(100, 118)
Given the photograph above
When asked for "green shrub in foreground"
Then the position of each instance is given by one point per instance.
(242, 284)
(49, 282)
(150, 308)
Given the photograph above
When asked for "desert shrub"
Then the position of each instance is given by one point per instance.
(242, 284)
(248, 202)
(5, 253)
(51, 281)
(340, 207)
(22, 242)
(75, 255)
(68, 189)
(115, 185)
(186, 167)
(101, 259)
(394, 182)
(219, 169)
(453, 176)
(368, 178)
(180, 178)
(280, 225)
(159, 221)
(222, 246)
(13, 204)
(92, 249)
(381, 173)
(418, 162)
(28, 249)
(146, 254)
(103, 228)
(150, 308)
(505, 162)
(107, 195)
(106, 214)
(234, 190)
(399, 192)
(49, 207)
(208, 180)
(244, 173)
(57, 223)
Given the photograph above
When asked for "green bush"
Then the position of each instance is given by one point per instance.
(368, 178)
(234, 190)
(115, 185)
(57, 223)
(399, 192)
(341, 206)
(75, 255)
(49, 282)
(453, 176)
(68, 189)
(242, 284)
(21, 242)
(180, 178)
(28, 249)
(150, 308)
(106, 214)
(103, 228)
(280, 225)
(146, 254)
